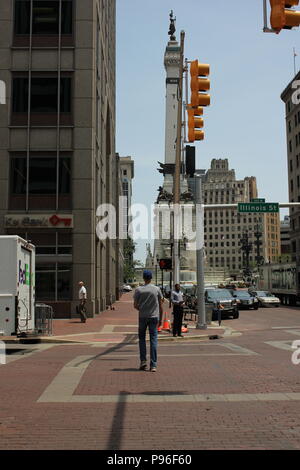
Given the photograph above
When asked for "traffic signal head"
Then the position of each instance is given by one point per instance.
(195, 124)
(282, 17)
(200, 84)
(165, 263)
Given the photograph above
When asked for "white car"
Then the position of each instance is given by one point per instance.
(127, 288)
(266, 299)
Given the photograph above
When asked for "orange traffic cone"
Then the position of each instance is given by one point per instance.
(166, 323)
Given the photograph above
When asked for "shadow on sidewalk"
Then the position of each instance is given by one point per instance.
(129, 339)
(117, 428)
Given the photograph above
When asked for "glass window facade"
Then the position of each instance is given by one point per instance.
(42, 176)
(44, 94)
(45, 17)
(53, 282)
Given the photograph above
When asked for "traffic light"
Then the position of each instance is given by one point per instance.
(190, 160)
(200, 84)
(195, 124)
(282, 17)
(165, 263)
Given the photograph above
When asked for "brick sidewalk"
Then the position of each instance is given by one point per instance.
(108, 325)
(234, 393)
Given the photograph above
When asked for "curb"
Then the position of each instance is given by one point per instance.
(160, 338)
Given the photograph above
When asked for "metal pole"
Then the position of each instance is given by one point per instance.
(176, 182)
(265, 15)
(170, 303)
(201, 322)
(266, 29)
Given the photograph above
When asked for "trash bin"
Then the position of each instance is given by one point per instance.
(43, 319)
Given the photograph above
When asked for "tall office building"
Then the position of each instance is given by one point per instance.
(290, 97)
(57, 144)
(127, 175)
(225, 228)
(285, 236)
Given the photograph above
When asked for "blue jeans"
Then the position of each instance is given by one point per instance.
(152, 324)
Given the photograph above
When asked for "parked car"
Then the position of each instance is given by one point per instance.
(221, 299)
(245, 299)
(266, 299)
(126, 288)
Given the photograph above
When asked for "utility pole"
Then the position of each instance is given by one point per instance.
(177, 178)
(201, 322)
(258, 235)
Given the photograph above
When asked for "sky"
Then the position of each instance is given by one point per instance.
(249, 70)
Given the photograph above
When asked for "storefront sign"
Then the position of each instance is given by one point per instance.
(39, 221)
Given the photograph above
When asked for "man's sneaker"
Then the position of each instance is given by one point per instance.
(143, 365)
(152, 369)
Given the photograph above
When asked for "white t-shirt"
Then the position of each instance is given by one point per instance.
(82, 293)
(176, 297)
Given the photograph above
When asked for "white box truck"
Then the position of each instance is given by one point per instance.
(17, 286)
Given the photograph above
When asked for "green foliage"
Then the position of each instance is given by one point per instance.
(129, 263)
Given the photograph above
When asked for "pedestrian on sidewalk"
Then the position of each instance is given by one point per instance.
(148, 301)
(178, 302)
(82, 295)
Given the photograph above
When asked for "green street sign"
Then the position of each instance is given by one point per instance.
(258, 207)
(258, 200)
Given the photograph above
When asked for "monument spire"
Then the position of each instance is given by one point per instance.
(172, 28)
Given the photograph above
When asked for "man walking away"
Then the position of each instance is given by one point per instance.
(148, 301)
(177, 301)
(82, 301)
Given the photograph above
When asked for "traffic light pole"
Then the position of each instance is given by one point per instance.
(257, 235)
(176, 182)
(201, 322)
(266, 28)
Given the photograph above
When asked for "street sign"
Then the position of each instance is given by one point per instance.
(258, 200)
(258, 207)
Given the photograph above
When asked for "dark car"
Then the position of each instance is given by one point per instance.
(245, 300)
(221, 299)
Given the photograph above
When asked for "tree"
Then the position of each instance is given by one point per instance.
(129, 263)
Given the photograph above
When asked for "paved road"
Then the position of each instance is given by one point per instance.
(239, 392)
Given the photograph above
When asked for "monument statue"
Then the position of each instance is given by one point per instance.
(172, 29)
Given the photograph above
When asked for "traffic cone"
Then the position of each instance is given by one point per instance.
(166, 323)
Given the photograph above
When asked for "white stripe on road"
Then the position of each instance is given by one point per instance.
(62, 389)
(285, 345)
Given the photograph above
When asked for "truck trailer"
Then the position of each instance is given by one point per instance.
(281, 280)
(17, 286)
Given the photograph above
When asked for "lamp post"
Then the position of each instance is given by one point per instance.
(156, 265)
(201, 323)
